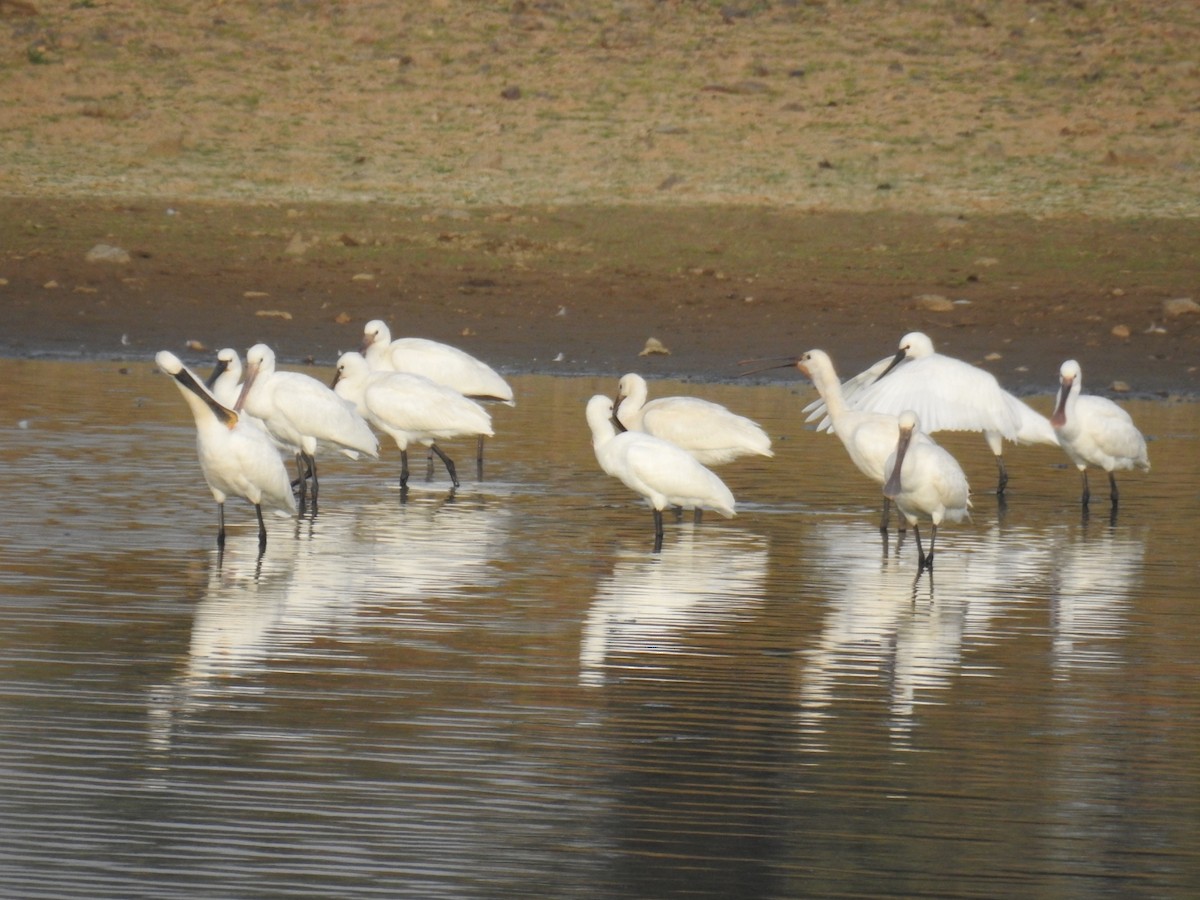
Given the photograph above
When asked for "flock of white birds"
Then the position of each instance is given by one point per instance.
(417, 391)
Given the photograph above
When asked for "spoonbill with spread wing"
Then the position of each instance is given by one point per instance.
(947, 394)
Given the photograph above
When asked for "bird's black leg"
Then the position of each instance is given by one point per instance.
(697, 515)
(932, 541)
(1003, 482)
(220, 526)
(301, 481)
(429, 465)
(262, 528)
(920, 550)
(403, 469)
(658, 531)
(1113, 495)
(887, 512)
(312, 471)
(1087, 494)
(449, 463)
(479, 458)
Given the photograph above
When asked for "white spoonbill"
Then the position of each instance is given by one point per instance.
(438, 362)
(236, 459)
(925, 482)
(869, 437)
(225, 382)
(302, 414)
(1095, 431)
(707, 430)
(410, 408)
(663, 473)
(947, 394)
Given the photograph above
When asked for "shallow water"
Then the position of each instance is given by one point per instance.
(504, 693)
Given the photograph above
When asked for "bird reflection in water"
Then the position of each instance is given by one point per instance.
(651, 607)
(904, 633)
(259, 615)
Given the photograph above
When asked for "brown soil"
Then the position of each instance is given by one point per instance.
(737, 180)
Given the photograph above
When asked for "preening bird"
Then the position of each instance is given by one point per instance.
(1094, 431)
(225, 382)
(302, 414)
(708, 431)
(947, 394)
(869, 437)
(925, 482)
(236, 459)
(663, 473)
(410, 408)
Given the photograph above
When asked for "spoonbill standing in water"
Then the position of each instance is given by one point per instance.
(1095, 431)
(666, 475)
(869, 437)
(925, 482)
(236, 459)
(707, 430)
(438, 362)
(947, 394)
(302, 414)
(409, 408)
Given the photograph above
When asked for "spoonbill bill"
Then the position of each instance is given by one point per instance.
(236, 459)
(225, 382)
(1094, 431)
(925, 482)
(302, 414)
(707, 430)
(409, 408)
(438, 362)
(663, 473)
(947, 394)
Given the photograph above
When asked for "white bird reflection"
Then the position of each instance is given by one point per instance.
(309, 597)
(884, 627)
(1092, 580)
(651, 605)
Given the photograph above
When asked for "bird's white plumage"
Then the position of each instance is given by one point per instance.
(409, 408)
(660, 471)
(227, 383)
(1094, 431)
(301, 412)
(930, 483)
(869, 437)
(706, 430)
(438, 362)
(946, 394)
(237, 459)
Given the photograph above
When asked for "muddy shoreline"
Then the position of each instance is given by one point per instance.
(581, 290)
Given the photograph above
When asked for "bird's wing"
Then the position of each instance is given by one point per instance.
(946, 394)
(697, 424)
(1112, 429)
(421, 406)
(1033, 427)
(450, 366)
(851, 388)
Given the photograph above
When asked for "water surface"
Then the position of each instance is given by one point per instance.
(502, 692)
